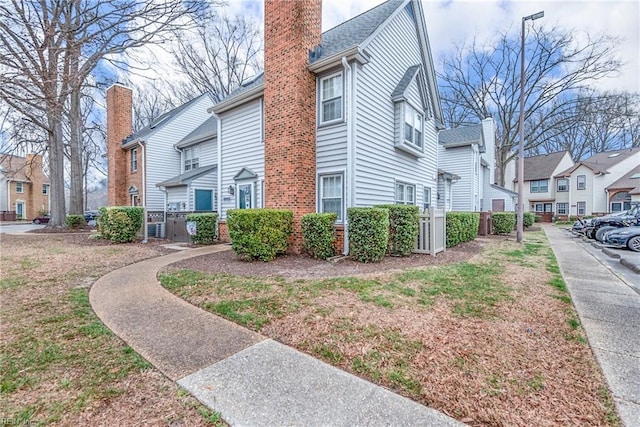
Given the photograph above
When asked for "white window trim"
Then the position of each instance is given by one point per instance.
(325, 174)
(395, 190)
(403, 144)
(584, 183)
(190, 150)
(538, 181)
(45, 189)
(340, 119)
(566, 208)
(424, 199)
(19, 190)
(578, 208)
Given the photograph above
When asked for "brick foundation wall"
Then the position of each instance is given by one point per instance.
(338, 244)
(119, 126)
(223, 232)
(292, 29)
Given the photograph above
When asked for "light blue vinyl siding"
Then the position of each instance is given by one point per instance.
(379, 164)
(242, 147)
(331, 148)
(458, 160)
(163, 161)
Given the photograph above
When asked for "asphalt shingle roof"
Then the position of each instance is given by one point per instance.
(208, 129)
(405, 81)
(629, 180)
(145, 131)
(356, 30)
(187, 177)
(460, 135)
(602, 162)
(541, 167)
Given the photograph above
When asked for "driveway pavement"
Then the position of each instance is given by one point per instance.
(19, 228)
(609, 310)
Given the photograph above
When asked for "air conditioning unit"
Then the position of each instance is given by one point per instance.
(156, 229)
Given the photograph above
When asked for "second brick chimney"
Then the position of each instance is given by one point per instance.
(292, 29)
(119, 126)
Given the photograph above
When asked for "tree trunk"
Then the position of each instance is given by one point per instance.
(76, 195)
(56, 172)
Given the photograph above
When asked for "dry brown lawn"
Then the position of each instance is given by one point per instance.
(59, 364)
(490, 338)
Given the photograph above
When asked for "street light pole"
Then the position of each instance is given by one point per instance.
(520, 207)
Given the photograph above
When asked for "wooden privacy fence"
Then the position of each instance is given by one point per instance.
(432, 232)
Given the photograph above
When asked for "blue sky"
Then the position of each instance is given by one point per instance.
(454, 21)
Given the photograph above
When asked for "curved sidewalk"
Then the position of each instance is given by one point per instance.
(249, 379)
(609, 310)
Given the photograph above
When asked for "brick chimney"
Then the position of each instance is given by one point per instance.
(292, 29)
(119, 126)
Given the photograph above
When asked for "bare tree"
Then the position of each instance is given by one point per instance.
(217, 56)
(47, 51)
(482, 81)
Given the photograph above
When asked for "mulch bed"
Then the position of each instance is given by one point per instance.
(305, 267)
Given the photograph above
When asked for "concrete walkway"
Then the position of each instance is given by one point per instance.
(249, 379)
(609, 310)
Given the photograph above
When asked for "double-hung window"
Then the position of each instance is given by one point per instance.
(45, 189)
(405, 194)
(563, 184)
(331, 194)
(134, 160)
(581, 181)
(413, 126)
(540, 186)
(19, 187)
(581, 208)
(426, 198)
(191, 158)
(331, 98)
(562, 208)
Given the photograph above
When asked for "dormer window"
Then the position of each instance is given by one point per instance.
(331, 98)
(413, 126)
(191, 158)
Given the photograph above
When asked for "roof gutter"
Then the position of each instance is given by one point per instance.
(236, 101)
(351, 54)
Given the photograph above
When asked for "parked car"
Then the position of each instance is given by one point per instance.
(628, 237)
(43, 219)
(616, 220)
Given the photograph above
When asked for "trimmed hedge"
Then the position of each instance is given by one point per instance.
(319, 233)
(403, 228)
(74, 221)
(528, 218)
(503, 222)
(461, 227)
(205, 227)
(259, 233)
(120, 223)
(368, 233)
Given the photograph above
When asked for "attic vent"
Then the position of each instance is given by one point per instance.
(614, 155)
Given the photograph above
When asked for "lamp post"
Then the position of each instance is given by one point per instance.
(520, 208)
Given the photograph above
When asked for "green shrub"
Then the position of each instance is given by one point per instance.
(319, 232)
(461, 227)
(74, 221)
(403, 228)
(368, 233)
(205, 227)
(503, 222)
(120, 223)
(528, 218)
(259, 233)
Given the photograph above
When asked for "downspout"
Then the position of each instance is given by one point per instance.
(144, 191)
(219, 168)
(350, 178)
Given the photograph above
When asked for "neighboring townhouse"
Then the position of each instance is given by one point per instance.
(24, 187)
(543, 194)
(345, 118)
(591, 187)
(167, 165)
(624, 191)
(467, 153)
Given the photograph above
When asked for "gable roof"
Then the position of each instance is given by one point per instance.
(159, 122)
(543, 166)
(187, 177)
(15, 168)
(207, 130)
(345, 37)
(600, 163)
(355, 31)
(629, 180)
